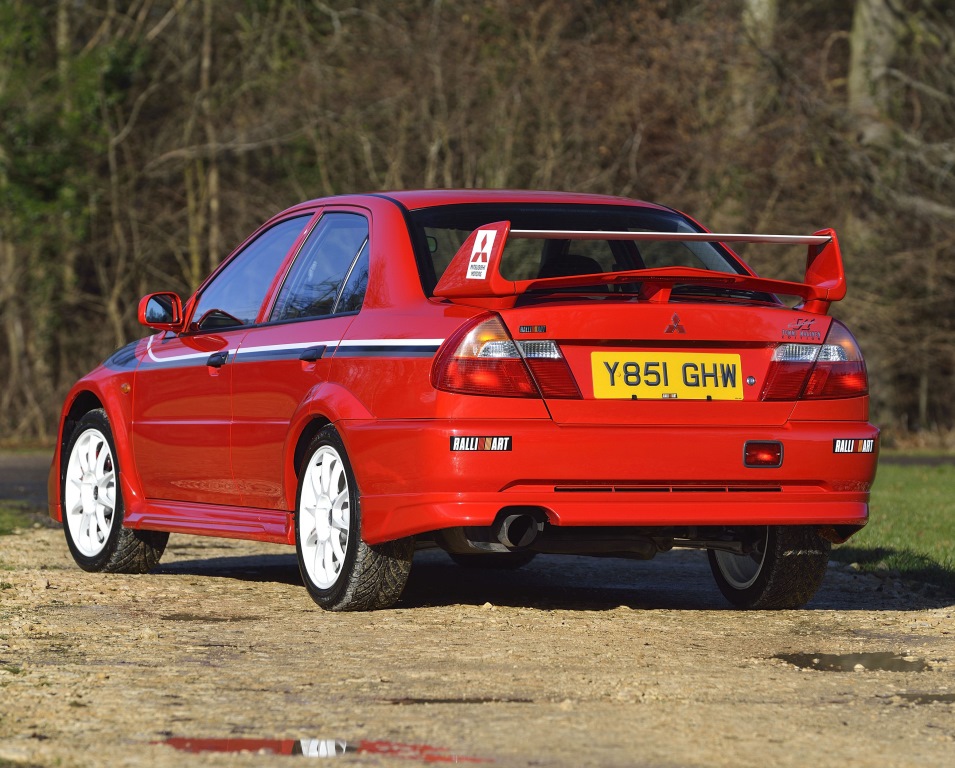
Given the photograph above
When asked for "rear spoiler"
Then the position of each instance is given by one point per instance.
(475, 271)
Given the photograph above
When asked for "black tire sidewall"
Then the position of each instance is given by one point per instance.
(791, 573)
(744, 598)
(330, 597)
(93, 420)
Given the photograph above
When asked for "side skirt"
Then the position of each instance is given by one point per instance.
(269, 525)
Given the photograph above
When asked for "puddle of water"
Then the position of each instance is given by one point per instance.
(855, 662)
(928, 698)
(320, 748)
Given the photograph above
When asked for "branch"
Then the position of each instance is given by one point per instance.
(220, 148)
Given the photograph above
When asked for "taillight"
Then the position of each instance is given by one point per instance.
(482, 359)
(827, 371)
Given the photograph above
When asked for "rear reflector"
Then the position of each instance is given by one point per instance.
(763, 453)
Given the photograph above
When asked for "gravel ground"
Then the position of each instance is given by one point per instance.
(568, 662)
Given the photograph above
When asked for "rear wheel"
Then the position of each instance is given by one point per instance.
(93, 505)
(341, 572)
(784, 569)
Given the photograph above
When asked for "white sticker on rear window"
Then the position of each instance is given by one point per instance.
(481, 254)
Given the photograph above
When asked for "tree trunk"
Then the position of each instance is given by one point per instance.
(873, 42)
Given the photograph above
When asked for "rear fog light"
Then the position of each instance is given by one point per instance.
(763, 453)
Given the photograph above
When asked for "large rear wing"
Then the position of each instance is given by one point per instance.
(475, 271)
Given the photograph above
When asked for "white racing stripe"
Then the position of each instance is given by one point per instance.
(390, 343)
(174, 358)
(294, 346)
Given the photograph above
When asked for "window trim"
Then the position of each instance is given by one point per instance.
(279, 283)
(193, 304)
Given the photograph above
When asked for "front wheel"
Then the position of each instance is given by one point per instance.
(93, 505)
(341, 572)
(784, 568)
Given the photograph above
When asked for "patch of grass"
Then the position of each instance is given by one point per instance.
(19, 514)
(911, 530)
(13, 515)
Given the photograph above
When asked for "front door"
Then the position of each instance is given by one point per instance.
(182, 406)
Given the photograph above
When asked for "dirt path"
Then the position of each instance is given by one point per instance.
(569, 662)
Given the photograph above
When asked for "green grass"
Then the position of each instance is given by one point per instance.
(911, 530)
(13, 515)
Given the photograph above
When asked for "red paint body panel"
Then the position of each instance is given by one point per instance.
(213, 450)
(411, 482)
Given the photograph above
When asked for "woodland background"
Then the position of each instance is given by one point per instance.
(140, 141)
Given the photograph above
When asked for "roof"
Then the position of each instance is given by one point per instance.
(414, 199)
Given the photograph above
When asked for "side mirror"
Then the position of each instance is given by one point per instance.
(161, 312)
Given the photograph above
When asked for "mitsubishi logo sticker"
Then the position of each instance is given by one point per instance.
(674, 326)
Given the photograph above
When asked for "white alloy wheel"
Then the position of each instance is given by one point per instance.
(90, 492)
(325, 517)
(741, 571)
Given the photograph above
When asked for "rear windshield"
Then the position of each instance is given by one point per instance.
(439, 232)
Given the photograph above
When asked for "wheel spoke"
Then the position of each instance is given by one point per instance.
(319, 562)
(328, 563)
(91, 446)
(326, 471)
(90, 530)
(314, 476)
(337, 479)
(101, 520)
(337, 548)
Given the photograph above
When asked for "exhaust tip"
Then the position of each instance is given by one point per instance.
(518, 530)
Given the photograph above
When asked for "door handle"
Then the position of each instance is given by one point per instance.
(312, 354)
(218, 359)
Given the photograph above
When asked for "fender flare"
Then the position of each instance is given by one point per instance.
(87, 395)
(326, 403)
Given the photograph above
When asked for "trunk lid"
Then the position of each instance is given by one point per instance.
(680, 363)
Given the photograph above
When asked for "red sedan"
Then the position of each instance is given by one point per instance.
(499, 374)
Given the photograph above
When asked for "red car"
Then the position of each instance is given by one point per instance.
(499, 374)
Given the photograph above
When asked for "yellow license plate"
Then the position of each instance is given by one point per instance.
(666, 376)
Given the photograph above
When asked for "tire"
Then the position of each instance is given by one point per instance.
(494, 561)
(340, 571)
(93, 505)
(785, 569)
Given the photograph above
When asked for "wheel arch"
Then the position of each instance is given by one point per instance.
(326, 404)
(85, 397)
(84, 402)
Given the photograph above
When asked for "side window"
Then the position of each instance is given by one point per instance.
(237, 293)
(314, 283)
(354, 292)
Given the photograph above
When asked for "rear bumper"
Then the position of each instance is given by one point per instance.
(414, 478)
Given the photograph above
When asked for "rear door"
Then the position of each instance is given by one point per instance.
(282, 360)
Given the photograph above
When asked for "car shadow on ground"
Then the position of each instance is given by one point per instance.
(678, 581)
